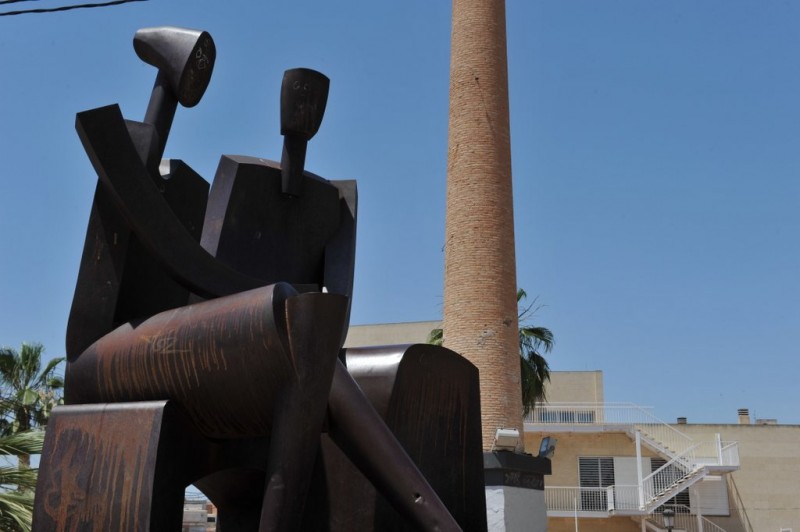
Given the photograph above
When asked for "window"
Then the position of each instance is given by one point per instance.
(596, 474)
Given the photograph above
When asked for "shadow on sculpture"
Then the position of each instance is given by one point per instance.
(205, 344)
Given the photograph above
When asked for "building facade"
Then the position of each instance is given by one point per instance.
(617, 466)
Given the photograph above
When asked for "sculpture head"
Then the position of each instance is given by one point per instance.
(184, 57)
(185, 60)
(304, 95)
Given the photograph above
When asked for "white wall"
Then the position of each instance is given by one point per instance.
(510, 509)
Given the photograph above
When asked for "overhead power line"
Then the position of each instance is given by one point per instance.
(62, 8)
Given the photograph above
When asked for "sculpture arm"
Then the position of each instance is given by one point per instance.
(106, 140)
(340, 253)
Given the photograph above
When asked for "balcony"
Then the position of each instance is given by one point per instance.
(591, 415)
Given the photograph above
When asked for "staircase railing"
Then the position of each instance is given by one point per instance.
(665, 480)
(683, 520)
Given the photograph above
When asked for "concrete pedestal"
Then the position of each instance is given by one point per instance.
(515, 491)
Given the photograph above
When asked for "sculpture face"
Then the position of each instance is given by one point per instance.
(304, 95)
(185, 58)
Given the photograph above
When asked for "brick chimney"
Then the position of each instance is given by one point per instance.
(480, 287)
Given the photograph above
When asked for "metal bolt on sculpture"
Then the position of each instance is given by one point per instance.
(203, 350)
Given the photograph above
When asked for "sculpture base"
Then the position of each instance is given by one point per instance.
(515, 491)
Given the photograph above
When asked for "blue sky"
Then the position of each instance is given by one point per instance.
(656, 153)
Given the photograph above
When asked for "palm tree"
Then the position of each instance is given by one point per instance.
(534, 369)
(27, 392)
(17, 485)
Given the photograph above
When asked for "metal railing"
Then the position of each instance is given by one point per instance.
(589, 413)
(657, 433)
(684, 520)
(622, 499)
(729, 453)
(568, 499)
(626, 499)
(665, 479)
(626, 415)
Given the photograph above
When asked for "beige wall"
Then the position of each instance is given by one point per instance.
(768, 482)
(415, 332)
(575, 387)
(572, 445)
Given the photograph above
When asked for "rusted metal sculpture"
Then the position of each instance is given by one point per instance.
(205, 335)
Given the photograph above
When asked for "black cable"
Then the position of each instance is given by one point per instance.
(64, 8)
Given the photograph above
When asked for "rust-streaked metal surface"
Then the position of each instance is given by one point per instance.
(97, 471)
(258, 364)
(436, 419)
(218, 359)
(202, 347)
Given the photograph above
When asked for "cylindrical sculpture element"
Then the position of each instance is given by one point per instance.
(225, 362)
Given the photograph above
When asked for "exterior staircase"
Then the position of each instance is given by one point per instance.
(686, 461)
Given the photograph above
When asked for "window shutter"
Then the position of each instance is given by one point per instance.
(596, 473)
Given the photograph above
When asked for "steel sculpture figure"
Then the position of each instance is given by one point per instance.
(205, 333)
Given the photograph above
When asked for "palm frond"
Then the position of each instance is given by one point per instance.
(16, 511)
(17, 484)
(47, 377)
(27, 392)
(24, 479)
(30, 361)
(30, 442)
(435, 337)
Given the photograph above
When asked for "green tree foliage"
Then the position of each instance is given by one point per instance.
(533, 342)
(17, 484)
(534, 369)
(27, 392)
